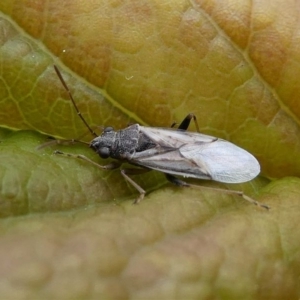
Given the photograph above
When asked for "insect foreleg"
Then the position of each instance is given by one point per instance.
(125, 173)
(111, 166)
(179, 182)
(59, 142)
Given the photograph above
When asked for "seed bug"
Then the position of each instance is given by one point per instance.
(174, 152)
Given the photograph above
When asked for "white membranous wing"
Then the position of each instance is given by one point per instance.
(174, 138)
(171, 162)
(199, 156)
(224, 161)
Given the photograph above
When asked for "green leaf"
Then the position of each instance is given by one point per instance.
(36, 180)
(68, 229)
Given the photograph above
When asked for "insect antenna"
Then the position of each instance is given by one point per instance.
(73, 101)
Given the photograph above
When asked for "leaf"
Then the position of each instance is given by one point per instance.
(36, 180)
(139, 62)
(232, 64)
(191, 248)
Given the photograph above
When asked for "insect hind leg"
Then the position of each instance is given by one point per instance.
(176, 180)
(182, 183)
(184, 125)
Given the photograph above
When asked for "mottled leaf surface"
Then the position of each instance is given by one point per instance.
(69, 230)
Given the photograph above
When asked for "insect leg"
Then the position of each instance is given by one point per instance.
(173, 124)
(59, 142)
(179, 182)
(125, 173)
(184, 125)
(238, 193)
(176, 180)
(111, 166)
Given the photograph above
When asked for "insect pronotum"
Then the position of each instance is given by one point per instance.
(173, 152)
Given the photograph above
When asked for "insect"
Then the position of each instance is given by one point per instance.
(175, 152)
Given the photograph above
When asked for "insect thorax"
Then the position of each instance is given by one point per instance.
(122, 144)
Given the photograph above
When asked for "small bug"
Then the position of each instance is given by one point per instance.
(173, 152)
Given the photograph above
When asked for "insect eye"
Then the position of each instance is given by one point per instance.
(104, 152)
(108, 129)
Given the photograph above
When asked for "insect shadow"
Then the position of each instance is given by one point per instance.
(174, 152)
